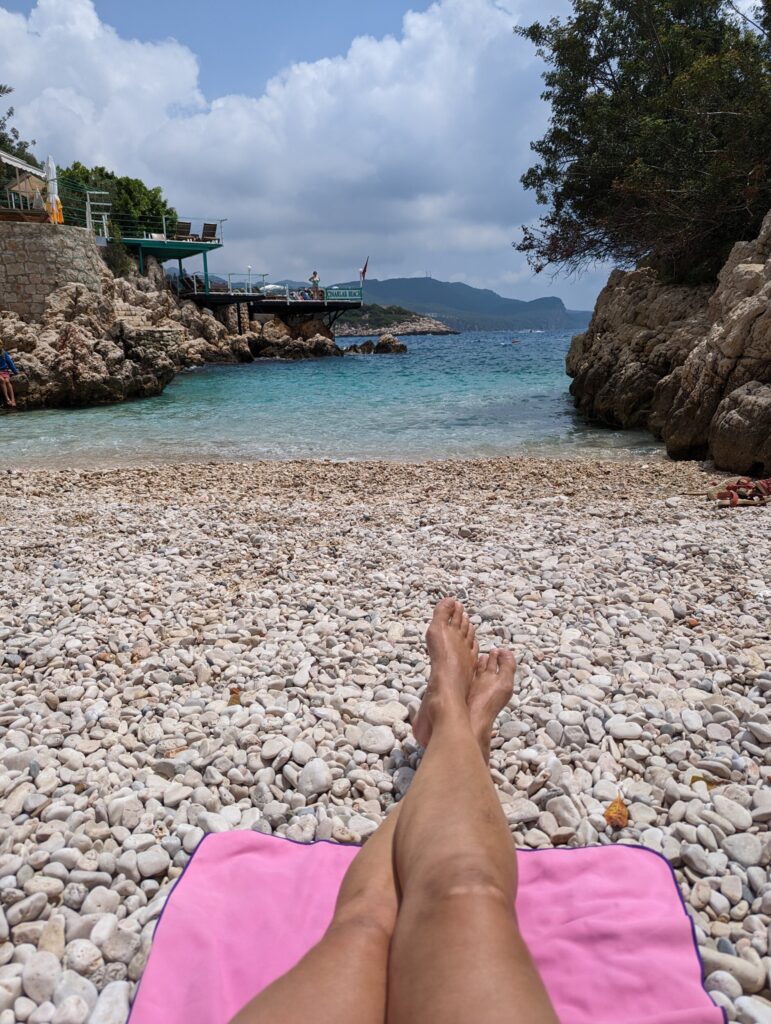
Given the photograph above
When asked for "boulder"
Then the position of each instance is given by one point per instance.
(639, 332)
(740, 431)
(669, 358)
(388, 344)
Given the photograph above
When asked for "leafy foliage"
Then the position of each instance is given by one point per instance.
(116, 255)
(376, 318)
(659, 142)
(10, 138)
(135, 207)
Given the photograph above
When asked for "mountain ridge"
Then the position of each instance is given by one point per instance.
(463, 307)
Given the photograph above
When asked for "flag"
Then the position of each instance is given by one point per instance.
(363, 271)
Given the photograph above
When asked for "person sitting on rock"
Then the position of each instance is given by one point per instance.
(7, 368)
(425, 922)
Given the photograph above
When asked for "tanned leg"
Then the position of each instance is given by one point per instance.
(457, 954)
(342, 980)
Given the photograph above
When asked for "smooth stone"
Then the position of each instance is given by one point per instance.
(112, 1006)
(315, 778)
(72, 983)
(72, 1010)
(83, 956)
(722, 981)
(622, 729)
(565, 811)
(744, 848)
(28, 909)
(753, 1011)
(40, 975)
(377, 739)
(100, 901)
(739, 816)
(153, 862)
(750, 976)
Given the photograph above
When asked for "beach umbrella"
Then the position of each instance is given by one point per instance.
(53, 203)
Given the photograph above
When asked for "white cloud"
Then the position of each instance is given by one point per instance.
(408, 150)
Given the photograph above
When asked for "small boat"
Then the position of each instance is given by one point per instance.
(515, 341)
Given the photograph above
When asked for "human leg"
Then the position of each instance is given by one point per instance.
(457, 954)
(342, 980)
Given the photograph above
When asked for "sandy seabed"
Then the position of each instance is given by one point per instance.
(132, 601)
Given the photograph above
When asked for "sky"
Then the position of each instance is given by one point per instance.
(325, 132)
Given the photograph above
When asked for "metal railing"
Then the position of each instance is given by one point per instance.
(10, 199)
(234, 284)
(92, 209)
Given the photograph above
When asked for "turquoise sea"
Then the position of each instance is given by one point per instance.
(467, 395)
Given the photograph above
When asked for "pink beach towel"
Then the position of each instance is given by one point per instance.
(606, 926)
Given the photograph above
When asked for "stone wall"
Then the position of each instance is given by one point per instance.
(36, 259)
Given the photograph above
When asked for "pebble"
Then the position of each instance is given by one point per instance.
(377, 739)
(153, 862)
(315, 778)
(112, 1006)
(39, 977)
(127, 625)
(744, 848)
(72, 1010)
(82, 956)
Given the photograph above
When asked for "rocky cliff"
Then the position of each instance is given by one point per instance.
(128, 338)
(693, 365)
(125, 341)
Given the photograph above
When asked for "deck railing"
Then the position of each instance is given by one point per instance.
(234, 284)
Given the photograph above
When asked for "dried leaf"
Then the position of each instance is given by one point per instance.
(235, 696)
(617, 814)
(709, 783)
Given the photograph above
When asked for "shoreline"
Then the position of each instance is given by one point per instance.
(122, 462)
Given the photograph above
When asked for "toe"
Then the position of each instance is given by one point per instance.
(492, 661)
(482, 663)
(444, 610)
(457, 615)
(465, 624)
(506, 662)
(475, 647)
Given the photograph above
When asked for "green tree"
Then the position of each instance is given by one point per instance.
(659, 142)
(136, 208)
(10, 138)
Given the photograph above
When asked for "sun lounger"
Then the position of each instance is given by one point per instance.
(182, 234)
(209, 233)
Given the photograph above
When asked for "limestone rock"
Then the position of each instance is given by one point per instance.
(388, 344)
(691, 364)
(125, 340)
(740, 432)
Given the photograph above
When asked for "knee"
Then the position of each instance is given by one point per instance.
(467, 879)
(364, 925)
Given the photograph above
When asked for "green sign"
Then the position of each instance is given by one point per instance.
(344, 294)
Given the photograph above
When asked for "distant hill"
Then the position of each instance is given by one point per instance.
(466, 308)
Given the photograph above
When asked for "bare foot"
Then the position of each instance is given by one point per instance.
(453, 650)
(490, 692)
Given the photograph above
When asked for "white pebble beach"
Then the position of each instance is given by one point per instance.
(134, 602)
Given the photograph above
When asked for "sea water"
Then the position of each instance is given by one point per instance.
(473, 394)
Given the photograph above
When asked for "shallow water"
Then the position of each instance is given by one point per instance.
(474, 394)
